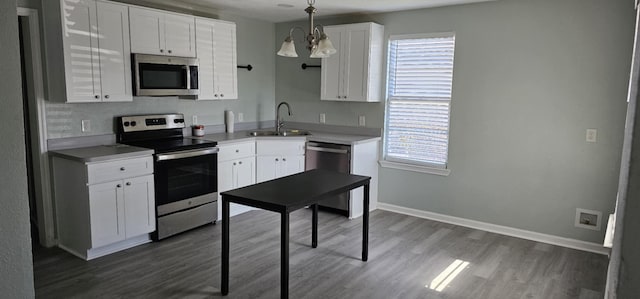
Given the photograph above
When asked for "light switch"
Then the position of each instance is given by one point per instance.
(322, 118)
(361, 121)
(86, 125)
(194, 120)
(592, 135)
(240, 117)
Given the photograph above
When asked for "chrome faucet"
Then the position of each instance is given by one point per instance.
(279, 122)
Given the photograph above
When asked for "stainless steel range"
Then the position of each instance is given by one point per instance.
(185, 171)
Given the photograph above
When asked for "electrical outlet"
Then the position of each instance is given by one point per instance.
(592, 135)
(588, 219)
(361, 121)
(194, 120)
(323, 118)
(240, 117)
(86, 125)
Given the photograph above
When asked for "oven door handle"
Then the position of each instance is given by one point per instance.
(186, 154)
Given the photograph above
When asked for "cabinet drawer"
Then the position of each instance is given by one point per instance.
(115, 170)
(236, 151)
(280, 147)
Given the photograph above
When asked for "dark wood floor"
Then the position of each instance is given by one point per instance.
(406, 255)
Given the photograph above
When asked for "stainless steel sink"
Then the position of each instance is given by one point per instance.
(262, 133)
(282, 133)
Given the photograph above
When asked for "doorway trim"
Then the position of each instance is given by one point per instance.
(44, 202)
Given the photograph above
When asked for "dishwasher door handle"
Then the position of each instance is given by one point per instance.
(327, 150)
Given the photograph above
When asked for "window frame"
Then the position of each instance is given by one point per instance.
(407, 164)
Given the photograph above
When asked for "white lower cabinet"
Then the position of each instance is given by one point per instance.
(273, 167)
(278, 158)
(99, 217)
(121, 209)
(236, 169)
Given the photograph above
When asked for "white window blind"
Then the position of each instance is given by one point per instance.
(419, 96)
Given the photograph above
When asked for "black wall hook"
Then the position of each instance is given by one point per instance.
(248, 67)
(305, 66)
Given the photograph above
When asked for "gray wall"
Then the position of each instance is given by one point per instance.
(530, 77)
(256, 89)
(16, 267)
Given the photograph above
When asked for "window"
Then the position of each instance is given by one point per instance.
(418, 101)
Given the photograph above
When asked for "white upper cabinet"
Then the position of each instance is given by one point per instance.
(216, 49)
(96, 51)
(161, 33)
(115, 56)
(355, 72)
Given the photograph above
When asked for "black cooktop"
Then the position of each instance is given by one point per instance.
(173, 144)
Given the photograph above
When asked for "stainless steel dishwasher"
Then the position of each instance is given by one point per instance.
(330, 156)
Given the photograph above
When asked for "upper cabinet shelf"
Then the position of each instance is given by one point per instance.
(162, 33)
(354, 73)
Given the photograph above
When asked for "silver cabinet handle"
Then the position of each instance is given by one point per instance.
(96, 96)
(106, 97)
(118, 186)
(122, 169)
(128, 184)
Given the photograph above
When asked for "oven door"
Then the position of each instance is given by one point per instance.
(185, 175)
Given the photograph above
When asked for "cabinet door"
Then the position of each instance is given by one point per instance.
(290, 165)
(180, 35)
(225, 61)
(204, 49)
(266, 168)
(115, 53)
(356, 64)
(106, 213)
(139, 206)
(331, 72)
(225, 176)
(147, 31)
(80, 44)
(245, 172)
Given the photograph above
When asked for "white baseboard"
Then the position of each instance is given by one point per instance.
(498, 229)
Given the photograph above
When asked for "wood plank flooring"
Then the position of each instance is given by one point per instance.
(406, 254)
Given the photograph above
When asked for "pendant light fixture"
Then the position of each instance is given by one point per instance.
(317, 41)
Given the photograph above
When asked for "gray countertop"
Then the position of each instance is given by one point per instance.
(228, 138)
(102, 153)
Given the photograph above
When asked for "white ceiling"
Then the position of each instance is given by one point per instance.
(269, 10)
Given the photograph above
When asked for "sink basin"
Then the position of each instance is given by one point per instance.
(262, 133)
(294, 133)
(282, 133)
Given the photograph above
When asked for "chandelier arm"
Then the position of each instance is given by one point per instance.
(294, 29)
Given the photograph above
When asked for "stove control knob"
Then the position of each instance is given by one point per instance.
(126, 123)
(133, 123)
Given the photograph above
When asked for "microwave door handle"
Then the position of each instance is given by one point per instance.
(188, 72)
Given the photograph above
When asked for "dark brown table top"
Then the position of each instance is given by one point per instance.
(296, 191)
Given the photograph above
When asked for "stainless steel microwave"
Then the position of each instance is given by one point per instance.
(155, 75)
